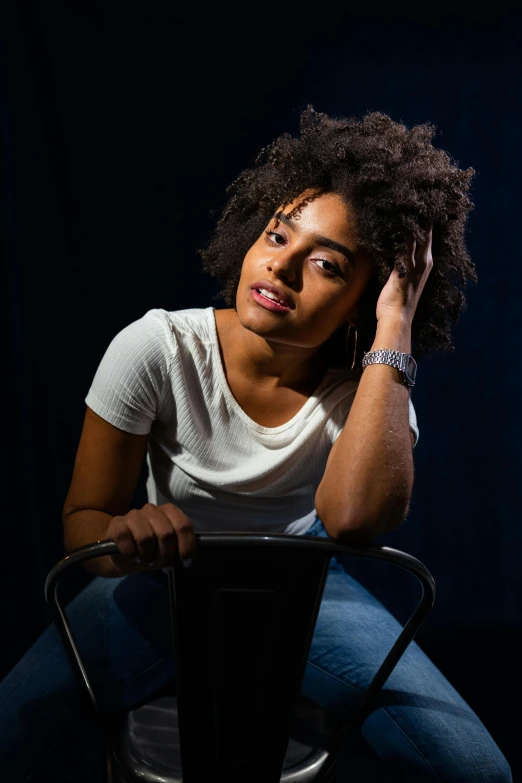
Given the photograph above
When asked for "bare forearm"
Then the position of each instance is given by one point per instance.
(367, 484)
(86, 527)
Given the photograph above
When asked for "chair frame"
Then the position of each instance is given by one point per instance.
(327, 547)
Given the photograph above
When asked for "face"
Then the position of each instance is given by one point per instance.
(312, 266)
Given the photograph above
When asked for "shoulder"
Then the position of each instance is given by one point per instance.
(135, 373)
(191, 323)
(150, 346)
(161, 331)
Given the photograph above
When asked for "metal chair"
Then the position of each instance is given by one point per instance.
(243, 617)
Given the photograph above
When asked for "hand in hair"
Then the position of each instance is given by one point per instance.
(399, 297)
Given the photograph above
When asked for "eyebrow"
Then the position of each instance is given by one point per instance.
(324, 241)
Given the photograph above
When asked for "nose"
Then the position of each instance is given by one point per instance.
(285, 264)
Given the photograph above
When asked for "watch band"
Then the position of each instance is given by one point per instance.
(403, 362)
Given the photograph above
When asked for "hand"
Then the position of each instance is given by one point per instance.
(399, 297)
(151, 537)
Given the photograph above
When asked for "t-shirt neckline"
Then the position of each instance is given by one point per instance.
(310, 402)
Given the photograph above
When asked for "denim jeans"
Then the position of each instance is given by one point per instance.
(421, 729)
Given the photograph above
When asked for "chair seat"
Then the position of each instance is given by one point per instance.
(145, 744)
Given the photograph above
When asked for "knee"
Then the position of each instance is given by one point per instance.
(442, 750)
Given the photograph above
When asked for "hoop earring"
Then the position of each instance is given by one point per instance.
(350, 327)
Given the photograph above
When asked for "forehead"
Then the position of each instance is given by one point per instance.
(327, 215)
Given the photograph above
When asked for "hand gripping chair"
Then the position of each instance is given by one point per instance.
(243, 616)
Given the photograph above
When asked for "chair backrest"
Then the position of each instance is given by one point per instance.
(243, 617)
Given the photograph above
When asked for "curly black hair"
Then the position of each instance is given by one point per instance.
(397, 184)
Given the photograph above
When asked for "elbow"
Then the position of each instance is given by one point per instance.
(68, 544)
(67, 510)
(351, 532)
(65, 530)
(364, 532)
(359, 528)
(339, 526)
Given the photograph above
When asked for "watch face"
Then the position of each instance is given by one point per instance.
(411, 367)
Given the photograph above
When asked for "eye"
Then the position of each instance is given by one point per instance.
(278, 239)
(331, 268)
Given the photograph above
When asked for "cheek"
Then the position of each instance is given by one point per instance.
(341, 305)
(243, 277)
(337, 300)
(249, 273)
(248, 264)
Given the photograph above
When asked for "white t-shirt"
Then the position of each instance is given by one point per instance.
(163, 375)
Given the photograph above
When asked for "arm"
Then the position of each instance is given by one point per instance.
(372, 496)
(106, 471)
(367, 484)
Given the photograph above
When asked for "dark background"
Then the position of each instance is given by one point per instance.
(122, 125)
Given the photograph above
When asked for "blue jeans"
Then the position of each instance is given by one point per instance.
(422, 730)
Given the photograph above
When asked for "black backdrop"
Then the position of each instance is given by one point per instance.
(122, 125)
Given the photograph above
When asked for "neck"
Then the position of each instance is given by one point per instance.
(270, 362)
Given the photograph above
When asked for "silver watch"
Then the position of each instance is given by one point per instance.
(404, 362)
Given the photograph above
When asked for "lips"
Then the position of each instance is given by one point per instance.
(282, 297)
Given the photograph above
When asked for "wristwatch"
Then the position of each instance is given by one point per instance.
(404, 362)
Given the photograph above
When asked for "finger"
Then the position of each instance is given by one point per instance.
(166, 537)
(410, 256)
(184, 530)
(429, 242)
(144, 537)
(123, 538)
(423, 254)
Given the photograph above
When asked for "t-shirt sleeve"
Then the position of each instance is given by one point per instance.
(127, 387)
(413, 424)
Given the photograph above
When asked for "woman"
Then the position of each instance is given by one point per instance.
(341, 252)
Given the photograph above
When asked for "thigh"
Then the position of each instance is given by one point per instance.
(128, 638)
(420, 728)
(122, 631)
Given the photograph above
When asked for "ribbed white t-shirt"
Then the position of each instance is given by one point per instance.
(163, 375)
